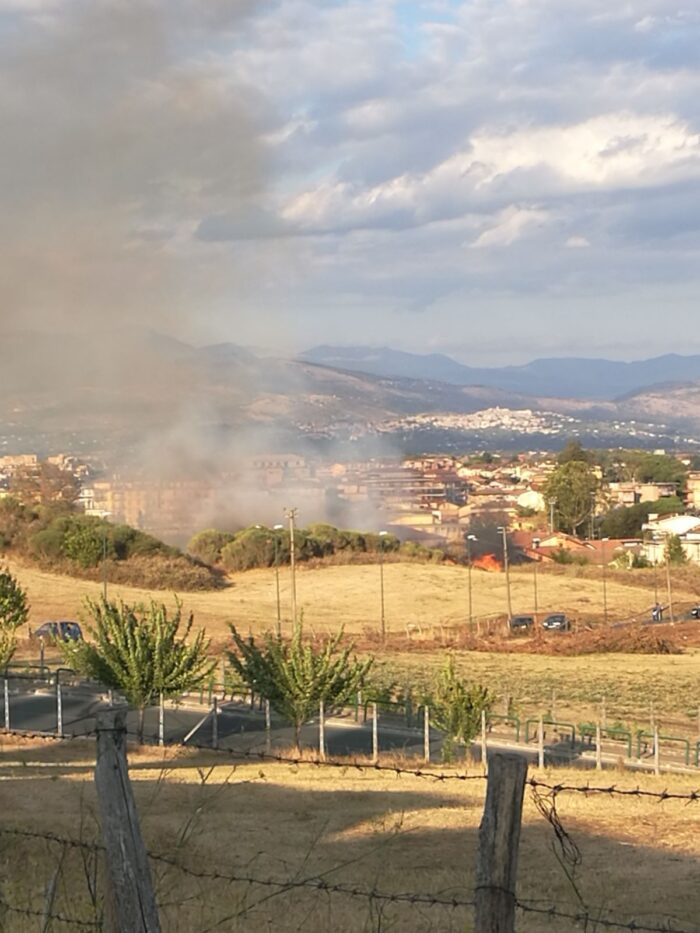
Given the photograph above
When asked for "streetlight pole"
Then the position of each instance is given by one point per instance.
(604, 556)
(382, 535)
(468, 539)
(291, 514)
(504, 532)
(552, 503)
(277, 530)
(535, 544)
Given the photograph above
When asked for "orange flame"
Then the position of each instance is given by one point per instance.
(487, 562)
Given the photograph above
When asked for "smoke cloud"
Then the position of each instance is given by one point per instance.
(121, 131)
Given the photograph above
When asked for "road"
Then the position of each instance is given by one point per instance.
(33, 708)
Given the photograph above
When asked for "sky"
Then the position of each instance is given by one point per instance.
(498, 180)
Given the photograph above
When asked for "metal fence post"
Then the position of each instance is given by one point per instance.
(426, 734)
(322, 731)
(375, 733)
(59, 707)
(499, 840)
(215, 724)
(161, 721)
(7, 704)
(657, 762)
(540, 743)
(484, 752)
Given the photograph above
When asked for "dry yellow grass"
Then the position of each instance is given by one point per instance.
(360, 828)
(421, 595)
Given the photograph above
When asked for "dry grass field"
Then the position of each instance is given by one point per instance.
(416, 595)
(365, 829)
(430, 596)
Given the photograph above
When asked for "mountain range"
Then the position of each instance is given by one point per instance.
(568, 377)
(100, 392)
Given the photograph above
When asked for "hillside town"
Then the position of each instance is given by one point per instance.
(433, 499)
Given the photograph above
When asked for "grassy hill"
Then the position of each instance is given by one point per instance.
(421, 595)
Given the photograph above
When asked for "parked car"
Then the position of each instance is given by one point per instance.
(557, 622)
(520, 623)
(65, 630)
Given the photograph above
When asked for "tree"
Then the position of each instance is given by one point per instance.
(207, 545)
(14, 611)
(137, 650)
(572, 486)
(456, 707)
(626, 522)
(574, 451)
(295, 677)
(658, 468)
(674, 551)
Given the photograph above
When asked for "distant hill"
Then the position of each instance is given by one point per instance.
(577, 378)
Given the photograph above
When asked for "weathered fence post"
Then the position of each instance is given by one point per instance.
(484, 751)
(499, 840)
(161, 721)
(268, 728)
(375, 734)
(322, 731)
(41, 656)
(132, 902)
(598, 751)
(7, 704)
(215, 724)
(426, 734)
(59, 707)
(603, 713)
(540, 743)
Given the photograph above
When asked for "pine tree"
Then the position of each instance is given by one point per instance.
(295, 677)
(137, 650)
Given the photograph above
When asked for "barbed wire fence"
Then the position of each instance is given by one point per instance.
(546, 795)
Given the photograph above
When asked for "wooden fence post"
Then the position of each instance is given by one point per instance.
(598, 751)
(132, 902)
(484, 751)
(7, 704)
(268, 728)
(540, 743)
(499, 840)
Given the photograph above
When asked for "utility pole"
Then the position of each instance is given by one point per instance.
(382, 535)
(504, 532)
(291, 515)
(468, 539)
(552, 503)
(535, 544)
(668, 579)
(604, 556)
(277, 530)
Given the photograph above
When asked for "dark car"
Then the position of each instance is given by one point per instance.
(521, 623)
(64, 630)
(557, 622)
